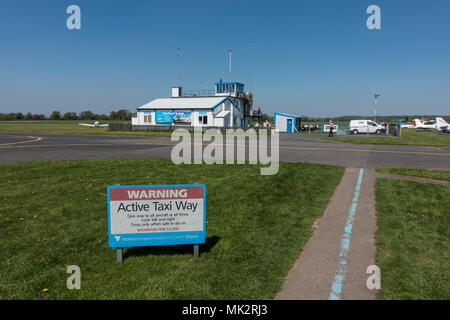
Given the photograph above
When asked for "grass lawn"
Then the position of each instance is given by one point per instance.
(413, 239)
(411, 137)
(54, 214)
(72, 127)
(421, 173)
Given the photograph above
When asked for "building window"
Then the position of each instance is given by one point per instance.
(203, 119)
(148, 118)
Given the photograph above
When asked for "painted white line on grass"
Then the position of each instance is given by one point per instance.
(339, 276)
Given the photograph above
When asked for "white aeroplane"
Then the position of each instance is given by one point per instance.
(405, 125)
(95, 125)
(442, 125)
(429, 124)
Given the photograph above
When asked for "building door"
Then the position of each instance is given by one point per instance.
(289, 125)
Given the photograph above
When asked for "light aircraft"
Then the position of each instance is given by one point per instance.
(429, 124)
(442, 125)
(95, 125)
(405, 125)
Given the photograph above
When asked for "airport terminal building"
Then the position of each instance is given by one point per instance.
(227, 106)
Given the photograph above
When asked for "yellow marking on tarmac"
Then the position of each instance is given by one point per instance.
(368, 150)
(5, 146)
(35, 139)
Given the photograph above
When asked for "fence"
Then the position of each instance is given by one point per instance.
(167, 128)
(342, 130)
(392, 129)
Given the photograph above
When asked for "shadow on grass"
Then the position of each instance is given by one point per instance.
(173, 249)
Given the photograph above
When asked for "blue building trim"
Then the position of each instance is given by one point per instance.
(285, 115)
(223, 102)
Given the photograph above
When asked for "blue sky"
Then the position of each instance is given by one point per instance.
(314, 57)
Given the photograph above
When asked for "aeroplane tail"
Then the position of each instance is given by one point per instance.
(417, 123)
(441, 123)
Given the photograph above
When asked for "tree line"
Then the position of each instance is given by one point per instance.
(121, 114)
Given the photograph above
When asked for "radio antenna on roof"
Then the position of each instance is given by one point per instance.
(179, 76)
(230, 52)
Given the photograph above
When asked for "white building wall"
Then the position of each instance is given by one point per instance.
(280, 123)
(140, 117)
(219, 122)
(198, 113)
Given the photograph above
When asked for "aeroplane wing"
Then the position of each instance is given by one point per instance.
(86, 124)
(405, 125)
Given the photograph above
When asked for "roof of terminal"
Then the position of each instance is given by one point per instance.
(183, 103)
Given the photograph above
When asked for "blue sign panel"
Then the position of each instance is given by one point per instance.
(170, 117)
(156, 215)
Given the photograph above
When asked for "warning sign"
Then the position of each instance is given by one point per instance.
(156, 215)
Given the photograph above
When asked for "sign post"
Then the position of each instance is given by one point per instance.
(156, 215)
(119, 253)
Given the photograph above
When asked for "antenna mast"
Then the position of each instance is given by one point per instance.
(179, 76)
(230, 52)
(375, 107)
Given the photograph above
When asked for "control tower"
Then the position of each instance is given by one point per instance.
(230, 89)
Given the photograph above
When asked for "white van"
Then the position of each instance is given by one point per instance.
(365, 126)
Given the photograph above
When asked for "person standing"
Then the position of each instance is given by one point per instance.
(331, 130)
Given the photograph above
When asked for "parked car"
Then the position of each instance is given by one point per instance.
(310, 127)
(365, 126)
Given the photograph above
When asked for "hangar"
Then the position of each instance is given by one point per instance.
(227, 106)
(286, 122)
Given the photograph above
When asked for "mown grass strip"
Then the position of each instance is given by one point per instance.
(413, 239)
(53, 214)
(411, 137)
(421, 173)
(72, 127)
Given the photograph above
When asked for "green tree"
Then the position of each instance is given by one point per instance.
(86, 115)
(6, 117)
(121, 114)
(18, 116)
(69, 116)
(38, 117)
(56, 115)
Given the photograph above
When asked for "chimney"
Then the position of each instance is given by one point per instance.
(176, 92)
